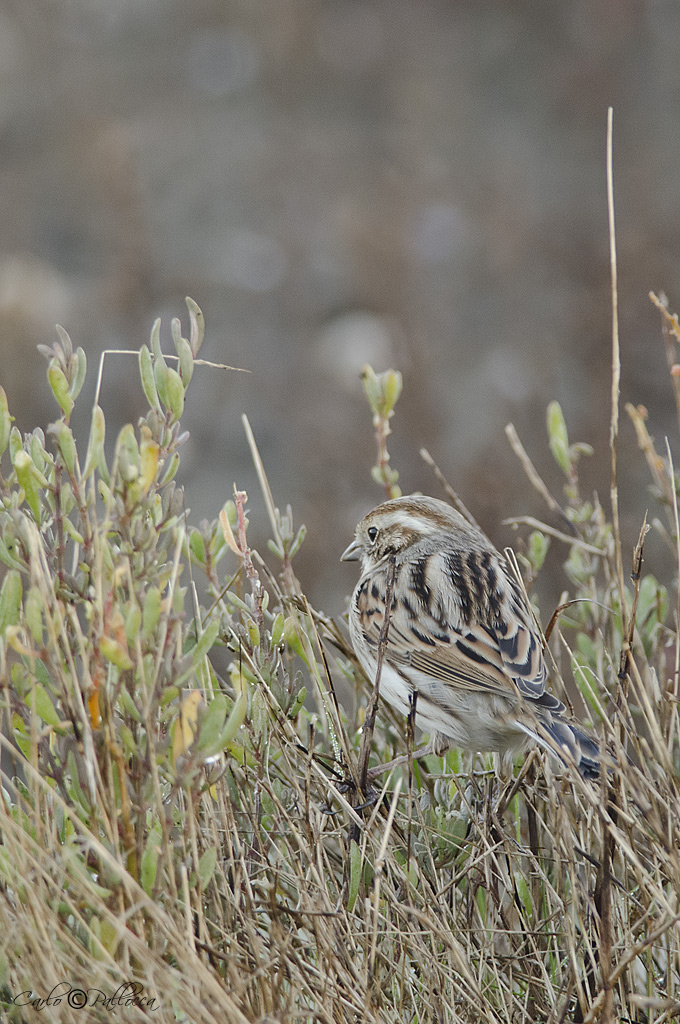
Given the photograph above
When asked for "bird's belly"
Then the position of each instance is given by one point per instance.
(471, 721)
(396, 690)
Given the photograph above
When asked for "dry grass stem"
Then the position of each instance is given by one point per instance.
(188, 806)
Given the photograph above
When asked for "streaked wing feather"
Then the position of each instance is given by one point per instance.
(491, 616)
(521, 651)
(469, 660)
(500, 652)
(449, 665)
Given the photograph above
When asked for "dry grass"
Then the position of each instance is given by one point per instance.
(215, 851)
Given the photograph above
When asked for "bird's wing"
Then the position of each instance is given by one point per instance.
(491, 644)
(476, 659)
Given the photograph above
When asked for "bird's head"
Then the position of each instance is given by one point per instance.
(394, 527)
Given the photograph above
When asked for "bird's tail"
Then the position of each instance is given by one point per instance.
(576, 744)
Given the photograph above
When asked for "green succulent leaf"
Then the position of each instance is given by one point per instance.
(66, 444)
(79, 375)
(174, 390)
(148, 379)
(60, 387)
(10, 601)
(5, 421)
(30, 480)
(206, 865)
(95, 444)
(44, 707)
(354, 875)
(558, 438)
(183, 349)
(197, 326)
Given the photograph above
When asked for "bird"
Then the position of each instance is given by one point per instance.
(461, 640)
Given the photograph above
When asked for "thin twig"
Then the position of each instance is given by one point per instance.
(336, 724)
(603, 887)
(166, 355)
(533, 475)
(264, 482)
(635, 575)
(676, 674)
(616, 375)
(452, 495)
(657, 466)
(371, 710)
(536, 524)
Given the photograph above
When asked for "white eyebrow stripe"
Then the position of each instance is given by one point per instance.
(411, 522)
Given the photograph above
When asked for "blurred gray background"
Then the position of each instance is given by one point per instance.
(412, 184)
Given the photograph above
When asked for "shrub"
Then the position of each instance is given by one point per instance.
(181, 839)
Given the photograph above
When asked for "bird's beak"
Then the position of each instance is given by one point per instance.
(352, 553)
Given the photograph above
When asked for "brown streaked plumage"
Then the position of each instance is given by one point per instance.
(461, 635)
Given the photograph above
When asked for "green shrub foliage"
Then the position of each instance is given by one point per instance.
(180, 825)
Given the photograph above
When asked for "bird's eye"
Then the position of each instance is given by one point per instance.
(372, 532)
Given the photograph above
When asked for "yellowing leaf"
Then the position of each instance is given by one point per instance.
(115, 652)
(148, 452)
(186, 725)
(93, 708)
(229, 533)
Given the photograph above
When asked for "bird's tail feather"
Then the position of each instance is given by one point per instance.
(566, 741)
(577, 744)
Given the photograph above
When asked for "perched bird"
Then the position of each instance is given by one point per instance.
(461, 637)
